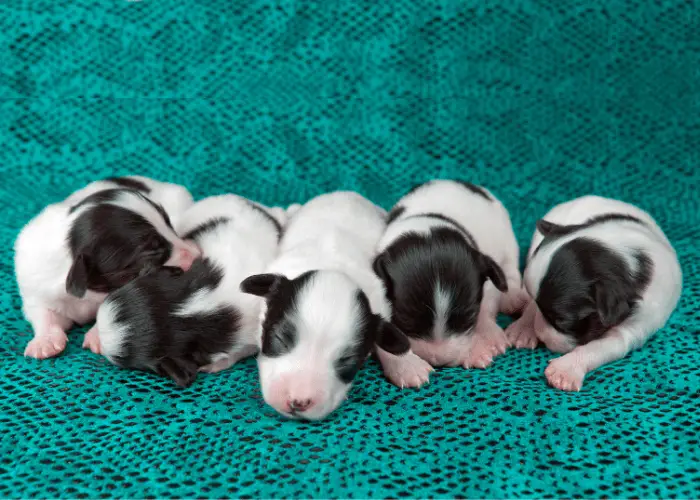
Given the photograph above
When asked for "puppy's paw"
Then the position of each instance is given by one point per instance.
(565, 374)
(489, 341)
(92, 340)
(407, 370)
(50, 344)
(521, 334)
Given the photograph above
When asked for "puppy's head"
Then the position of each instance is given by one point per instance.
(165, 322)
(317, 332)
(587, 289)
(117, 235)
(435, 282)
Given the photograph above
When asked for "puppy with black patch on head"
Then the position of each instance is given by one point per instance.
(74, 252)
(325, 308)
(178, 323)
(604, 278)
(449, 261)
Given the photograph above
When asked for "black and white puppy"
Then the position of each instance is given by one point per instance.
(449, 261)
(325, 308)
(178, 323)
(73, 253)
(604, 278)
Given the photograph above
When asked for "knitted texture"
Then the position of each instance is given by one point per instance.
(539, 100)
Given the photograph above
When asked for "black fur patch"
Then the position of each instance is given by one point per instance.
(589, 288)
(475, 189)
(269, 217)
(106, 196)
(455, 225)
(278, 329)
(354, 356)
(395, 213)
(129, 183)
(468, 185)
(111, 246)
(556, 231)
(206, 227)
(412, 265)
(156, 338)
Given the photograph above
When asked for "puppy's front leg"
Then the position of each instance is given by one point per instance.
(489, 339)
(568, 371)
(404, 370)
(521, 332)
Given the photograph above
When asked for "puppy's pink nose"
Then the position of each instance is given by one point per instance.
(184, 254)
(185, 259)
(299, 405)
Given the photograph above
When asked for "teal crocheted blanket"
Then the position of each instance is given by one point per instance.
(539, 100)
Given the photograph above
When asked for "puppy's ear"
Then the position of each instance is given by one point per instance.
(494, 272)
(77, 279)
(612, 302)
(182, 371)
(546, 227)
(391, 339)
(262, 284)
(380, 269)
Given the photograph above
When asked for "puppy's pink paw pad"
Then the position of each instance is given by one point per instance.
(562, 375)
(92, 341)
(407, 371)
(522, 334)
(479, 358)
(46, 346)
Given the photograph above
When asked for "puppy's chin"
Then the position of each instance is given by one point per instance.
(554, 340)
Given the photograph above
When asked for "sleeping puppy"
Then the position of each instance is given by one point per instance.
(325, 309)
(178, 323)
(604, 278)
(75, 252)
(449, 261)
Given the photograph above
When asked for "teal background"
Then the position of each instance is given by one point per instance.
(539, 100)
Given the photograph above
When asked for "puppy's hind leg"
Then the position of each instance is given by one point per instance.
(50, 337)
(226, 361)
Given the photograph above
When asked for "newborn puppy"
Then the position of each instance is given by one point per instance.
(449, 261)
(604, 278)
(325, 308)
(178, 323)
(75, 252)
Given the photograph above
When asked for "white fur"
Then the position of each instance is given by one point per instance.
(243, 246)
(43, 260)
(624, 237)
(335, 234)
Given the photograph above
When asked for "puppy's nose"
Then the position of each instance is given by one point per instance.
(300, 405)
(184, 255)
(185, 259)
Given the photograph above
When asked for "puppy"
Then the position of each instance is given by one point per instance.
(75, 252)
(325, 309)
(604, 278)
(449, 262)
(178, 323)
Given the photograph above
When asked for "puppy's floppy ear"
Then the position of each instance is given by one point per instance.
(612, 302)
(391, 339)
(546, 227)
(182, 371)
(77, 279)
(494, 272)
(379, 267)
(262, 284)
